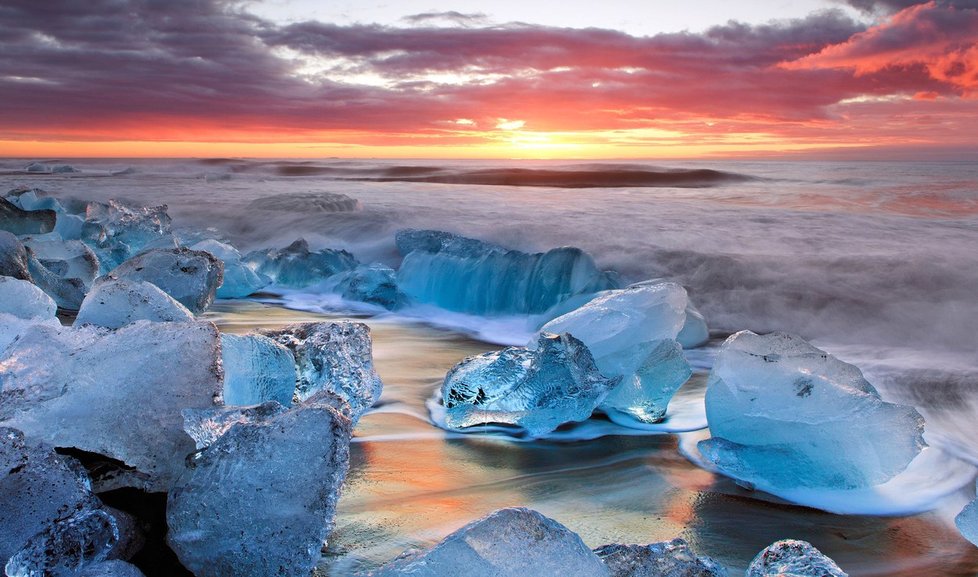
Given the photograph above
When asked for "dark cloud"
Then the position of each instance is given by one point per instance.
(456, 18)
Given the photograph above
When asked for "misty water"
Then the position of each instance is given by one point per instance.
(877, 263)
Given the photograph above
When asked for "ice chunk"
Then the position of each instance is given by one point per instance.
(667, 559)
(207, 425)
(68, 293)
(239, 280)
(307, 202)
(117, 232)
(295, 266)
(786, 413)
(114, 568)
(791, 558)
(967, 521)
(374, 283)
(695, 333)
(256, 369)
(631, 333)
(51, 168)
(66, 258)
(114, 303)
(13, 257)
(24, 300)
(116, 393)
(335, 357)
(514, 542)
(18, 221)
(66, 547)
(191, 277)
(538, 390)
(261, 499)
(11, 327)
(471, 276)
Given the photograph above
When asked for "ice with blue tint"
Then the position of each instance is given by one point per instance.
(295, 266)
(69, 259)
(25, 300)
(191, 277)
(114, 303)
(18, 221)
(667, 559)
(117, 232)
(375, 283)
(67, 225)
(335, 358)
(537, 389)
(631, 332)
(256, 369)
(66, 547)
(967, 521)
(114, 568)
(471, 276)
(793, 558)
(68, 293)
(513, 542)
(206, 426)
(13, 257)
(786, 414)
(239, 280)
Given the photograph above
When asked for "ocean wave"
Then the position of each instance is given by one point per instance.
(307, 202)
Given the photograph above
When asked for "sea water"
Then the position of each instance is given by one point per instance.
(876, 263)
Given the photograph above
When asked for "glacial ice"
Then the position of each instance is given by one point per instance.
(25, 300)
(13, 257)
(68, 293)
(239, 280)
(256, 369)
(116, 393)
(113, 568)
(791, 558)
(68, 226)
(66, 258)
(334, 357)
(374, 283)
(261, 499)
(295, 266)
(786, 414)
(537, 389)
(631, 332)
(514, 542)
(205, 426)
(117, 232)
(191, 277)
(471, 276)
(66, 547)
(114, 303)
(967, 521)
(667, 559)
(18, 221)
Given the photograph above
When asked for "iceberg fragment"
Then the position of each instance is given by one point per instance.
(256, 369)
(117, 232)
(191, 277)
(471, 276)
(25, 300)
(239, 280)
(784, 413)
(260, 500)
(13, 257)
(18, 221)
(114, 303)
(295, 266)
(669, 559)
(537, 389)
(113, 568)
(374, 283)
(69, 259)
(513, 542)
(206, 426)
(652, 372)
(66, 547)
(967, 521)
(333, 357)
(68, 293)
(791, 558)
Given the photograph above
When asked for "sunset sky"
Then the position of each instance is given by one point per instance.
(503, 79)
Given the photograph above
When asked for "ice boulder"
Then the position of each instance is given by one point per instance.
(260, 500)
(536, 389)
(69, 259)
(791, 558)
(24, 300)
(117, 232)
(114, 303)
(239, 280)
(783, 413)
(668, 559)
(256, 369)
(967, 521)
(471, 276)
(13, 257)
(68, 293)
(191, 277)
(114, 568)
(632, 334)
(18, 221)
(333, 357)
(206, 426)
(375, 283)
(66, 547)
(512, 542)
(295, 266)
(115, 393)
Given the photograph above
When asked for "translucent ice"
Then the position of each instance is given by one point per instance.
(667, 559)
(652, 372)
(68, 293)
(538, 390)
(24, 300)
(191, 277)
(335, 357)
(374, 283)
(18, 221)
(512, 542)
(13, 257)
(206, 426)
(967, 521)
(471, 276)
(116, 393)
(261, 499)
(784, 413)
(117, 232)
(114, 568)
(256, 369)
(239, 280)
(66, 258)
(114, 303)
(791, 558)
(295, 266)
(67, 546)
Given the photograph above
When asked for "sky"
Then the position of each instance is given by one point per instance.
(504, 79)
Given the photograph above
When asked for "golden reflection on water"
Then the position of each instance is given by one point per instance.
(410, 484)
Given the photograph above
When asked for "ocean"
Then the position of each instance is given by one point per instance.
(874, 262)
